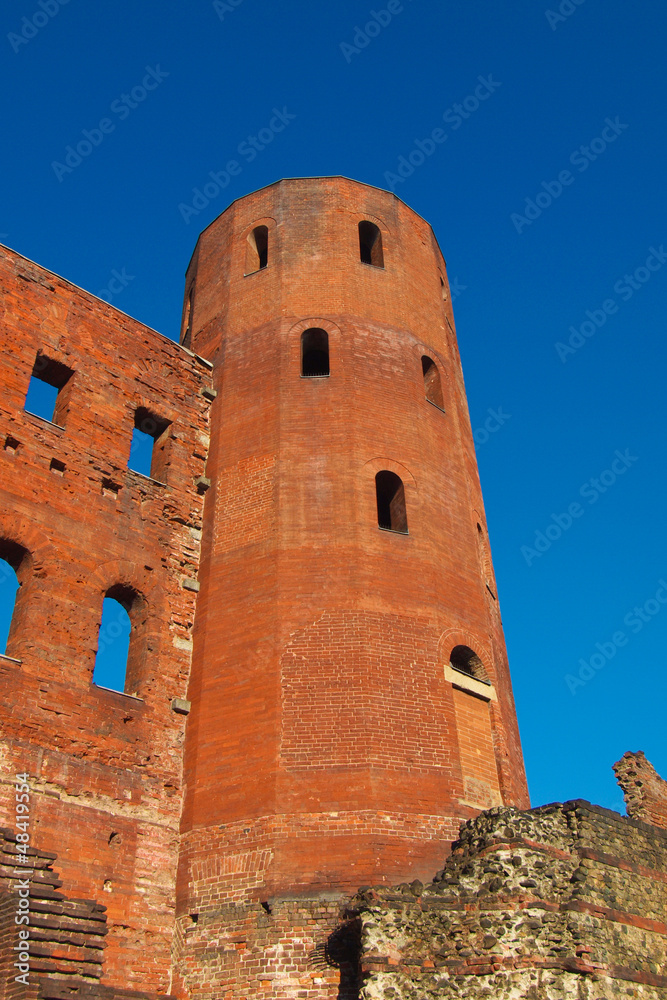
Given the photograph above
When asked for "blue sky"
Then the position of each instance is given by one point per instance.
(544, 195)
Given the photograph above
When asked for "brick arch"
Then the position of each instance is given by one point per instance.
(462, 637)
(39, 547)
(121, 571)
(145, 616)
(317, 322)
(365, 217)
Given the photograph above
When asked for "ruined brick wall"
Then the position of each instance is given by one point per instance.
(644, 790)
(51, 946)
(561, 901)
(105, 767)
(329, 743)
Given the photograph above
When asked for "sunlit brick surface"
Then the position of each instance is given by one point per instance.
(325, 747)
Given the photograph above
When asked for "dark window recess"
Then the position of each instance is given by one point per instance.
(314, 353)
(370, 244)
(390, 493)
(49, 390)
(468, 662)
(257, 250)
(148, 452)
(443, 290)
(432, 384)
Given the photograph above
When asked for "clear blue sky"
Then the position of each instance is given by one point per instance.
(553, 84)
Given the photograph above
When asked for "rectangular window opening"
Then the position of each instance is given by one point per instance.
(148, 451)
(49, 390)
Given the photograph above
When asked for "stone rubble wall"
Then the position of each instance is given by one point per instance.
(557, 902)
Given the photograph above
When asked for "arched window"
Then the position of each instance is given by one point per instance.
(257, 249)
(314, 353)
(443, 289)
(432, 384)
(390, 494)
(9, 585)
(468, 662)
(370, 244)
(14, 567)
(119, 652)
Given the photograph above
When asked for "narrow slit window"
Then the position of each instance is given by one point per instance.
(257, 250)
(370, 244)
(148, 451)
(390, 494)
(113, 646)
(314, 353)
(432, 383)
(187, 322)
(48, 391)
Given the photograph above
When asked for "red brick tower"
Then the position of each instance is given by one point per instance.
(351, 700)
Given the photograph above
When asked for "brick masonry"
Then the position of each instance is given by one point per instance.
(329, 742)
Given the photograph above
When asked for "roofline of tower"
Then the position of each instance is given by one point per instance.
(315, 177)
(79, 288)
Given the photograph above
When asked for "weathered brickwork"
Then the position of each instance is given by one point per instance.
(105, 767)
(330, 742)
(326, 747)
(644, 790)
(561, 901)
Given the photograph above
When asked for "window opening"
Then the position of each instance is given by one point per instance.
(390, 494)
(370, 244)
(314, 353)
(432, 384)
(187, 321)
(468, 662)
(257, 249)
(113, 644)
(15, 566)
(47, 396)
(9, 586)
(148, 448)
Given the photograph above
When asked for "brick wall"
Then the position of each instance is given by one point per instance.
(644, 790)
(326, 748)
(105, 767)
